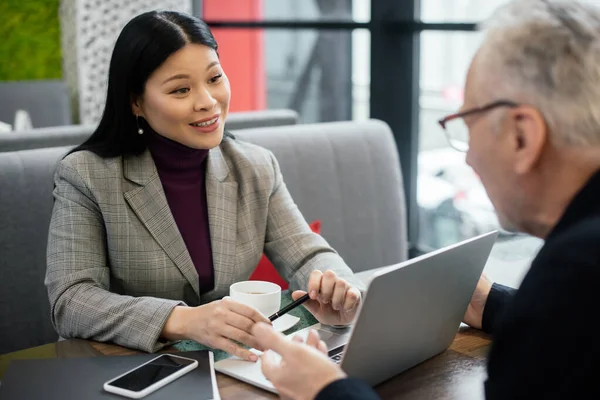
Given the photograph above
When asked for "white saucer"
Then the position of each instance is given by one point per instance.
(285, 322)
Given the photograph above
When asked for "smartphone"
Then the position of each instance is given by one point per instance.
(150, 376)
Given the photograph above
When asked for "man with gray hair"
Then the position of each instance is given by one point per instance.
(530, 125)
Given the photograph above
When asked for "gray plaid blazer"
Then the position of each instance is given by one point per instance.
(117, 264)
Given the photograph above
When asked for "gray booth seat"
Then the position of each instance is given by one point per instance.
(73, 135)
(26, 182)
(46, 101)
(68, 135)
(264, 118)
(346, 174)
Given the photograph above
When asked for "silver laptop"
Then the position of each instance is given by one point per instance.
(410, 313)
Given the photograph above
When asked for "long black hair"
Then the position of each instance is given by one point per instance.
(142, 46)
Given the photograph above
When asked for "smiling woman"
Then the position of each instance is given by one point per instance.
(164, 76)
(186, 103)
(160, 211)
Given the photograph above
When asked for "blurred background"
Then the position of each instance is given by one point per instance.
(402, 61)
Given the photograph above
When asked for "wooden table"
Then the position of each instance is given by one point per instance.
(457, 373)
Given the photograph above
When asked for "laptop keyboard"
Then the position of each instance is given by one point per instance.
(336, 354)
(337, 358)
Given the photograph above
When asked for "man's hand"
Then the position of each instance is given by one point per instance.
(304, 369)
(474, 315)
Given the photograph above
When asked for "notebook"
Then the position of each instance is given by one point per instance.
(82, 378)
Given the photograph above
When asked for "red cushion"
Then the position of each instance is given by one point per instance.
(265, 271)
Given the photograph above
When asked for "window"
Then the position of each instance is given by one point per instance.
(452, 202)
(316, 58)
(339, 10)
(458, 10)
(323, 74)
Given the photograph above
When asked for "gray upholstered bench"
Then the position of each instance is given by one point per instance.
(346, 174)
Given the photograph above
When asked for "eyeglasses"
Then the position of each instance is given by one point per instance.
(457, 131)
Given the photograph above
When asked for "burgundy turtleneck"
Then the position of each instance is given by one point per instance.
(182, 172)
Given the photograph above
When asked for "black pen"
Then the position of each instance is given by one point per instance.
(289, 307)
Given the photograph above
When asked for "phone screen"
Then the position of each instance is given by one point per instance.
(148, 374)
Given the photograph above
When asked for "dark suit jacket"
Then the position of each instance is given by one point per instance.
(544, 345)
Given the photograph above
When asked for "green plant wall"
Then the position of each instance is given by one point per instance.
(29, 40)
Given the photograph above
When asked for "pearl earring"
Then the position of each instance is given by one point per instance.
(137, 122)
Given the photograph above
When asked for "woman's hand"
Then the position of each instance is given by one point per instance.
(333, 301)
(217, 325)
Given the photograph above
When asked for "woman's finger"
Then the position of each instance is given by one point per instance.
(352, 299)
(314, 284)
(339, 294)
(235, 350)
(240, 336)
(243, 309)
(239, 321)
(327, 287)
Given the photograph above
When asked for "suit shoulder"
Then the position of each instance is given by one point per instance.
(252, 166)
(568, 262)
(241, 152)
(578, 242)
(88, 165)
(86, 158)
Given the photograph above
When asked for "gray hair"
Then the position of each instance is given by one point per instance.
(547, 54)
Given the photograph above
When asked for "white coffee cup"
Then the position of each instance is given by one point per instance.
(264, 296)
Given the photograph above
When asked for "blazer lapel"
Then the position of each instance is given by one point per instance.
(222, 216)
(149, 203)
